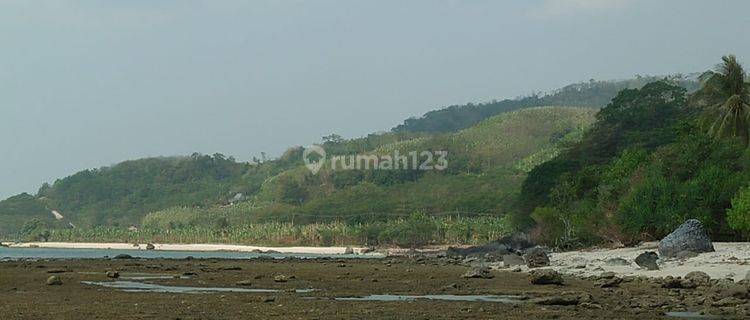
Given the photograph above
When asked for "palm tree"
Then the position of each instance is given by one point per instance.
(730, 117)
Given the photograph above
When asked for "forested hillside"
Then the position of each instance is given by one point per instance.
(487, 163)
(655, 157)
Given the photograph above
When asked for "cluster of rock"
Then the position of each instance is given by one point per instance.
(514, 250)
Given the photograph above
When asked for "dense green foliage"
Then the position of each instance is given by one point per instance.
(644, 167)
(413, 230)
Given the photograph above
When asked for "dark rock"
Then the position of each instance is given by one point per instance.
(54, 281)
(516, 242)
(231, 268)
(479, 273)
(677, 283)
(189, 273)
(617, 262)
(557, 301)
(348, 250)
(536, 257)
(123, 256)
(512, 260)
(113, 274)
(690, 236)
(545, 276)
(150, 246)
(647, 260)
(366, 250)
(494, 249)
(608, 280)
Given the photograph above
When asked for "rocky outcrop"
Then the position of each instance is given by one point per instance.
(536, 257)
(690, 236)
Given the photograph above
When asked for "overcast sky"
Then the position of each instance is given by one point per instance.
(85, 84)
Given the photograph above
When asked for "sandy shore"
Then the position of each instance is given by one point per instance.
(183, 247)
(731, 260)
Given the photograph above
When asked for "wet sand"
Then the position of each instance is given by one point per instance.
(25, 294)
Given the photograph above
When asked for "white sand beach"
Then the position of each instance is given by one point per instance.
(183, 247)
(731, 260)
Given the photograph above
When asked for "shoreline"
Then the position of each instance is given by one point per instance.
(730, 260)
(184, 247)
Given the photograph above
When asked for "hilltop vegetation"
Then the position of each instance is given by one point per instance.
(594, 94)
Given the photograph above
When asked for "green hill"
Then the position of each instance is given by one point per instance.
(485, 170)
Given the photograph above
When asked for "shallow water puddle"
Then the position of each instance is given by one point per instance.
(132, 286)
(143, 276)
(443, 297)
(689, 315)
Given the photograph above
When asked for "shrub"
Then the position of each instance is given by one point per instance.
(739, 215)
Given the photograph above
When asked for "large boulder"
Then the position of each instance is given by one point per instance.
(690, 236)
(536, 257)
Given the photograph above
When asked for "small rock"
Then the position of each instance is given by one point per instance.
(280, 278)
(113, 274)
(123, 256)
(231, 268)
(150, 246)
(557, 301)
(267, 299)
(479, 273)
(366, 250)
(545, 276)
(244, 283)
(512, 260)
(536, 257)
(348, 250)
(700, 278)
(617, 262)
(54, 281)
(647, 260)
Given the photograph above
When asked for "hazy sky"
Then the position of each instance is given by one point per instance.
(86, 84)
